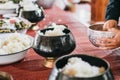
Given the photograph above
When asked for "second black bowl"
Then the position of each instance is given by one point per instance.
(57, 74)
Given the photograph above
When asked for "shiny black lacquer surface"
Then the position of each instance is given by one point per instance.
(33, 15)
(61, 62)
(54, 46)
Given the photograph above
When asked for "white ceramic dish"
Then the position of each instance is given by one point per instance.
(6, 11)
(95, 32)
(8, 7)
(11, 58)
(9, 15)
(17, 56)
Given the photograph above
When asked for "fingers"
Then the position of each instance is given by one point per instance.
(107, 43)
(114, 30)
(107, 48)
(110, 24)
(106, 27)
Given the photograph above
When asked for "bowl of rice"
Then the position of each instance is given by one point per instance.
(81, 67)
(14, 47)
(53, 41)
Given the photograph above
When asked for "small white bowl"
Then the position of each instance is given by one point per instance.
(17, 56)
(96, 32)
(13, 57)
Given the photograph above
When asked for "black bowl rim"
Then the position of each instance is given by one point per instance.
(83, 55)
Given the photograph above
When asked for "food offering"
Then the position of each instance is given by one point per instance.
(13, 24)
(14, 43)
(13, 47)
(55, 30)
(81, 67)
(76, 67)
(53, 41)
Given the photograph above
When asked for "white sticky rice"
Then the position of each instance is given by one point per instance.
(57, 30)
(76, 67)
(14, 43)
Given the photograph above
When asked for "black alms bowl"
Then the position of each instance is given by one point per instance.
(54, 46)
(33, 15)
(56, 74)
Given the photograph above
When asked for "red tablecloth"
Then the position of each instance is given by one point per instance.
(31, 68)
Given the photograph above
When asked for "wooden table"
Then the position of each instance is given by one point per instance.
(31, 68)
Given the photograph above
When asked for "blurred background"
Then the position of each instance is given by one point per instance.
(86, 11)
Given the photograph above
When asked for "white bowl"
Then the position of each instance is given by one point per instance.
(8, 7)
(11, 58)
(95, 32)
(7, 10)
(16, 56)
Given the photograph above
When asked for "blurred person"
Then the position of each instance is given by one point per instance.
(112, 14)
(111, 24)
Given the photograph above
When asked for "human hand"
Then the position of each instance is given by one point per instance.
(110, 24)
(110, 43)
